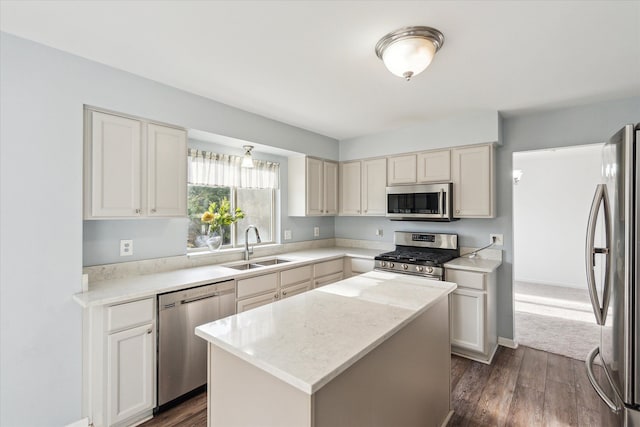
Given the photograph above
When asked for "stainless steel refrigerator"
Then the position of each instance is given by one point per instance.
(612, 255)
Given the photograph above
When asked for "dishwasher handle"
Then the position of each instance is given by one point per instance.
(201, 297)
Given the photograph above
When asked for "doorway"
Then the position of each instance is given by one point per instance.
(552, 193)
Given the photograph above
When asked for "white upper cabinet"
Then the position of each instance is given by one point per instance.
(167, 178)
(374, 193)
(434, 166)
(330, 184)
(133, 168)
(350, 188)
(473, 181)
(313, 187)
(401, 169)
(115, 147)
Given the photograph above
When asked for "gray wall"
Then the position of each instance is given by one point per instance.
(557, 128)
(43, 92)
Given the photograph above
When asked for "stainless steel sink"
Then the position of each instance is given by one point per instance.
(258, 264)
(247, 266)
(272, 261)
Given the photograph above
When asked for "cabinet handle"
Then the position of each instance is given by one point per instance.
(138, 211)
(153, 210)
(149, 330)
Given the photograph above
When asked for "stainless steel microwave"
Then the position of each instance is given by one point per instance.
(423, 202)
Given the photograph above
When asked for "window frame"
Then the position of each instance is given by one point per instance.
(233, 199)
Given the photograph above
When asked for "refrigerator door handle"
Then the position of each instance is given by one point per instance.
(600, 197)
(592, 379)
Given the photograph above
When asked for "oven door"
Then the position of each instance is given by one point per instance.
(420, 202)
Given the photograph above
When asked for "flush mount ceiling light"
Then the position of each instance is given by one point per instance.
(247, 160)
(408, 51)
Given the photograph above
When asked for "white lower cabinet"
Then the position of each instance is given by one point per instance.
(327, 272)
(292, 290)
(130, 354)
(254, 302)
(467, 319)
(119, 363)
(474, 331)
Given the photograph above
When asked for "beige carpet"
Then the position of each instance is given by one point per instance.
(555, 319)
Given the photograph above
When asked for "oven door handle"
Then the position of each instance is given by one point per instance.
(599, 198)
(441, 203)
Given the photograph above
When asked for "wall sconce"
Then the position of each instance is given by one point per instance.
(517, 176)
(408, 51)
(247, 160)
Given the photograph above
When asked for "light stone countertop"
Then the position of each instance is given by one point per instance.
(133, 287)
(309, 339)
(482, 265)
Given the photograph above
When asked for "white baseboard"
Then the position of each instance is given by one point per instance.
(507, 342)
(80, 423)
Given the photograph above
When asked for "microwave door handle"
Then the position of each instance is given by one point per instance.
(441, 203)
(599, 197)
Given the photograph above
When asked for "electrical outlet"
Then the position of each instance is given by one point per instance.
(379, 232)
(499, 239)
(287, 234)
(316, 231)
(126, 247)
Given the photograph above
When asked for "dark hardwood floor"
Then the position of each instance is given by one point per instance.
(522, 387)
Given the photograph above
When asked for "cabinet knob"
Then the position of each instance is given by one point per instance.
(149, 330)
(276, 296)
(137, 211)
(366, 210)
(153, 210)
(457, 210)
(284, 294)
(358, 211)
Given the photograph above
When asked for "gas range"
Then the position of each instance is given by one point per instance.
(419, 253)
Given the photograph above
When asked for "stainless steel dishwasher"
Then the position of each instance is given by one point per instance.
(182, 356)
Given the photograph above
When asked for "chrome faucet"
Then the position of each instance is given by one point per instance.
(247, 251)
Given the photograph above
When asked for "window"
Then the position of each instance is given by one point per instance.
(213, 177)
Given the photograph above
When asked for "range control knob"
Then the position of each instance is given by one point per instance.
(419, 268)
(405, 266)
(429, 269)
(391, 265)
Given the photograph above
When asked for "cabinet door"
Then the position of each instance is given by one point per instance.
(401, 169)
(330, 190)
(130, 378)
(249, 303)
(166, 171)
(467, 319)
(374, 193)
(115, 166)
(292, 290)
(350, 188)
(434, 166)
(326, 280)
(315, 184)
(472, 176)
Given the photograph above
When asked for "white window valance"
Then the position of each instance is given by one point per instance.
(223, 170)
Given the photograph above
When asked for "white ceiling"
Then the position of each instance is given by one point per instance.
(312, 63)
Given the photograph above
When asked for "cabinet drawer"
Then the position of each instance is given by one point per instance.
(292, 290)
(254, 302)
(361, 265)
(295, 275)
(257, 285)
(130, 314)
(467, 279)
(328, 267)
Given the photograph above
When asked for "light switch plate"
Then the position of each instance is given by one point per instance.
(287, 234)
(126, 247)
(316, 231)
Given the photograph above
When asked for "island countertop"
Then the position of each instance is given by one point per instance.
(309, 339)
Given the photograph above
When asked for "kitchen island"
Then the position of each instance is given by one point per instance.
(370, 350)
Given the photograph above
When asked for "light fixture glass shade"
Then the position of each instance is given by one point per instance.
(408, 51)
(409, 57)
(247, 160)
